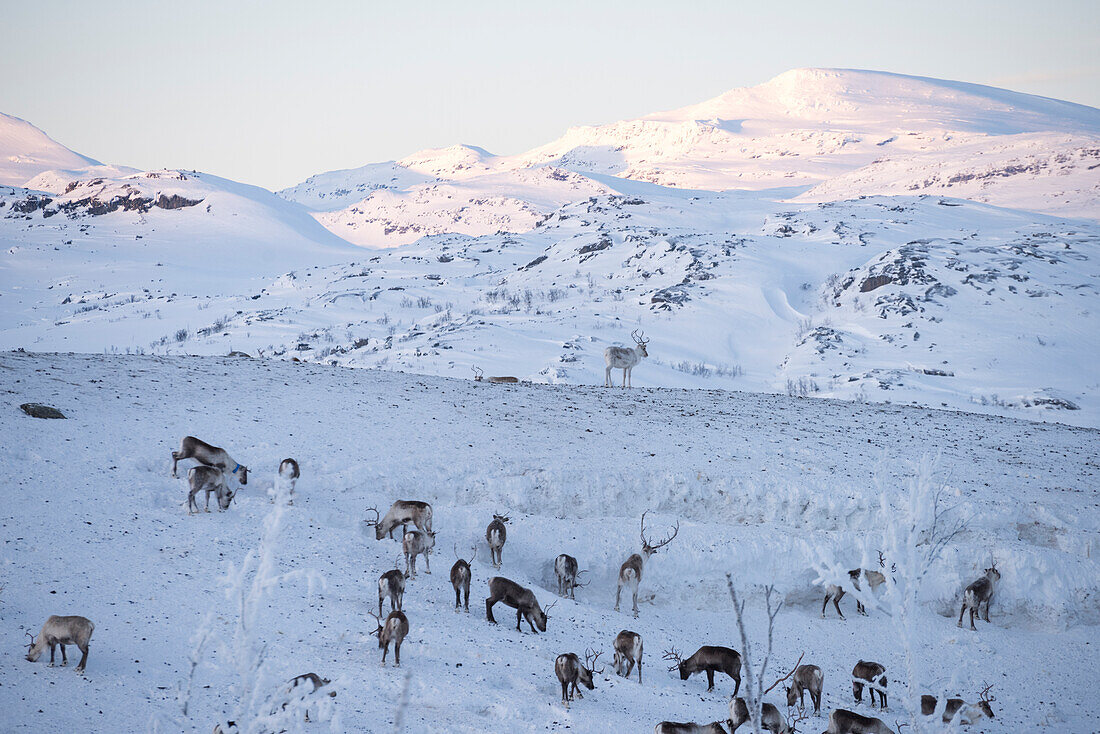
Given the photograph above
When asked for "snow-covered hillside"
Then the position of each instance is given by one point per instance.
(877, 283)
(763, 488)
(26, 151)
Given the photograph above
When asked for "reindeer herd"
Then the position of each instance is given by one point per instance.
(215, 469)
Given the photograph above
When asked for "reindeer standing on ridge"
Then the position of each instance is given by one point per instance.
(625, 358)
(630, 573)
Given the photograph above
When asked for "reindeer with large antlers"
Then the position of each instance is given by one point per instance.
(625, 358)
(570, 672)
(967, 713)
(401, 513)
(630, 573)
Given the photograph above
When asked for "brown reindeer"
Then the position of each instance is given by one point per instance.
(843, 721)
(522, 600)
(569, 670)
(630, 573)
(708, 659)
(875, 677)
(394, 629)
(628, 652)
(835, 592)
(968, 713)
(391, 584)
(401, 513)
(806, 678)
(415, 543)
(62, 631)
(204, 453)
(770, 717)
(207, 479)
(496, 535)
(460, 577)
(676, 727)
(978, 593)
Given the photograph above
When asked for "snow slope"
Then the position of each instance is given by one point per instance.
(26, 151)
(748, 477)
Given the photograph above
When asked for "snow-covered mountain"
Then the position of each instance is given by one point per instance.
(878, 282)
(26, 151)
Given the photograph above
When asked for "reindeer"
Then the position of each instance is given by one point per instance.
(628, 651)
(630, 573)
(570, 672)
(394, 629)
(521, 599)
(288, 475)
(968, 713)
(836, 592)
(806, 678)
(402, 512)
(460, 577)
(207, 479)
(62, 631)
(676, 727)
(416, 543)
(565, 568)
(479, 376)
(496, 534)
(391, 584)
(204, 453)
(843, 721)
(625, 359)
(978, 593)
(875, 677)
(770, 717)
(310, 681)
(708, 659)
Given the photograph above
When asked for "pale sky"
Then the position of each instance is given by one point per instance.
(272, 92)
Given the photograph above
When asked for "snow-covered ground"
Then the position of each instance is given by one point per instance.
(763, 486)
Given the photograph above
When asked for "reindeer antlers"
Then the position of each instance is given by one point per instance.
(30, 645)
(478, 372)
(544, 611)
(661, 544)
(673, 655)
(986, 695)
(377, 516)
(577, 583)
(473, 550)
(591, 663)
(639, 338)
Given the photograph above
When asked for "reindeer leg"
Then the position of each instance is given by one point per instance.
(565, 693)
(618, 591)
(519, 618)
(397, 653)
(635, 602)
(624, 378)
(458, 598)
(962, 610)
(52, 651)
(736, 685)
(427, 563)
(467, 594)
(823, 605)
(83, 658)
(64, 657)
(973, 613)
(987, 601)
(836, 603)
(489, 609)
(607, 378)
(710, 680)
(857, 691)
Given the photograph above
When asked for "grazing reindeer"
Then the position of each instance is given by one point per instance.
(630, 573)
(968, 713)
(391, 584)
(521, 599)
(62, 631)
(570, 672)
(843, 721)
(310, 683)
(416, 543)
(565, 568)
(770, 717)
(204, 453)
(625, 359)
(496, 534)
(835, 592)
(207, 479)
(708, 659)
(460, 577)
(875, 676)
(806, 678)
(394, 629)
(288, 475)
(479, 376)
(676, 727)
(978, 593)
(402, 512)
(628, 652)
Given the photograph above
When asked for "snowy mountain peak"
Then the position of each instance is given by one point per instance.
(455, 161)
(26, 151)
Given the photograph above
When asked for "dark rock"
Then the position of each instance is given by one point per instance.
(38, 410)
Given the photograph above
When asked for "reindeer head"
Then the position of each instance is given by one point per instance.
(225, 498)
(244, 475)
(641, 341)
(32, 652)
(502, 518)
(478, 374)
(986, 699)
(677, 663)
(584, 675)
(649, 548)
(379, 532)
(541, 615)
(992, 572)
